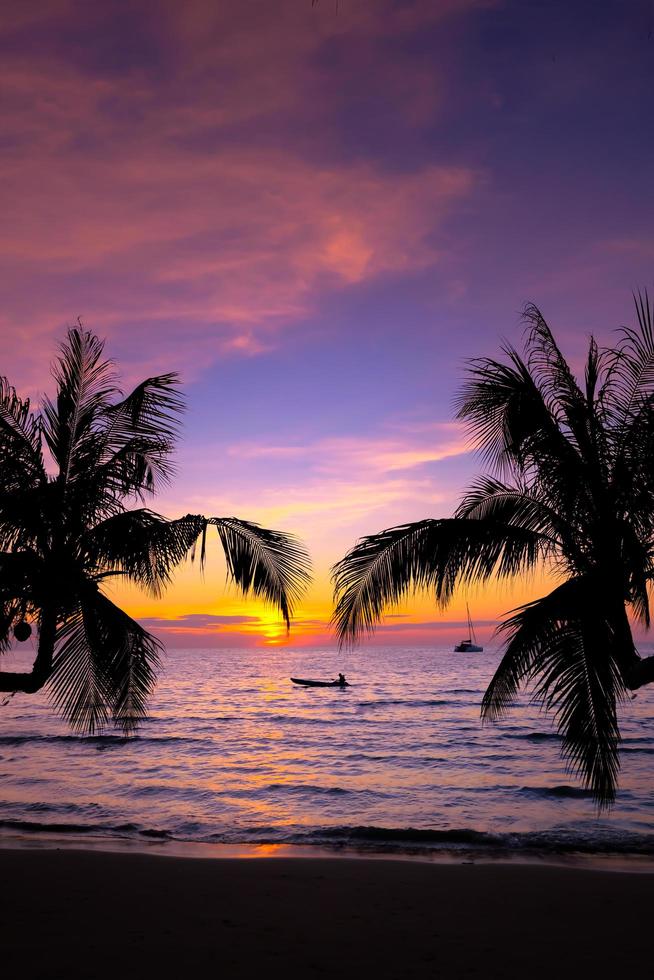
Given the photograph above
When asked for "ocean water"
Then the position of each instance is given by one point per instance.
(233, 752)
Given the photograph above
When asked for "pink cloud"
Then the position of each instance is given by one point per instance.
(204, 622)
(236, 254)
(205, 630)
(333, 489)
(393, 451)
(127, 199)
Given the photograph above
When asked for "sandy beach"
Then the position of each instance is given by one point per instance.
(83, 914)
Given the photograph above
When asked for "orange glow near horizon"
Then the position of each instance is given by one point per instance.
(317, 218)
(199, 611)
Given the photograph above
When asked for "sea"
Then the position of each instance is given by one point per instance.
(234, 753)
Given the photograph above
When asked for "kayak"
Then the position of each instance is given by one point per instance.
(298, 680)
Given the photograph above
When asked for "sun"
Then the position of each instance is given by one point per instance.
(272, 631)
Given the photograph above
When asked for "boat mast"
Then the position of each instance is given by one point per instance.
(471, 629)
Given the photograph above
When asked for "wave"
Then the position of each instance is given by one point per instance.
(555, 841)
(301, 788)
(290, 719)
(67, 808)
(369, 838)
(410, 835)
(86, 829)
(414, 704)
(563, 792)
(103, 741)
(532, 736)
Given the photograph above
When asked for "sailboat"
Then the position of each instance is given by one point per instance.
(470, 645)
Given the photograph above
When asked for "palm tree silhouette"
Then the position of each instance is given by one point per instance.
(571, 486)
(63, 536)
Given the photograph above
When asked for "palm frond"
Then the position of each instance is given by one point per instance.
(104, 669)
(78, 683)
(268, 564)
(515, 505)
(492, 397)
(629, 390)
(139, 469)
(551, 373)
(152, 410)
(85, 386)
(137, 437)
(637, 569)
(430, 555)
(565, 643)
(535, 507)
(511, 422)
(630, 406)
(133, 662)
(25, 511)
(20, 440)
(632, 371)
(574, 409)
(571, 482)
(142, 546)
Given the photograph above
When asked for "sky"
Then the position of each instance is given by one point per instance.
(316, 213)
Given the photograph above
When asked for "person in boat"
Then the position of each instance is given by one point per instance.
(341, 680)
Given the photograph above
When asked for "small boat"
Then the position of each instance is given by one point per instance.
(304, 683)
(470, 645)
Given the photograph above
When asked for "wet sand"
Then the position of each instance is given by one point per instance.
(88, 915)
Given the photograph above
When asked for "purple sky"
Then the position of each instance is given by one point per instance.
(316, 214)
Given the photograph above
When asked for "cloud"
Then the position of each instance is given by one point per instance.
(330, 485)
(200, 629)
(144, 188)
(196, 622)
(444, 624)
(329, 490)
(400, 448)
(323, 513)
(234, 248)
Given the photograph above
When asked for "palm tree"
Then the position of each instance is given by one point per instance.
(570, 487)
(64, 536)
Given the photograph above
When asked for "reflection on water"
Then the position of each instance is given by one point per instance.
(234, 752)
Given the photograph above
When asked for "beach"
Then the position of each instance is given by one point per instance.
(89, 914)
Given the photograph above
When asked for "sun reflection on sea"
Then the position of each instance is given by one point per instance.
(234, 752)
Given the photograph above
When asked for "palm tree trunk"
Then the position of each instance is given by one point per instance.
(636, 671)
(33, 681)
(640, 674)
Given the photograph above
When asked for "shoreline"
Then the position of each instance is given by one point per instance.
(89, 913)
(608, 861)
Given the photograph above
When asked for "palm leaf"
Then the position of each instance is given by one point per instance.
(133, 661)
(571, 484)
(429, 555)
(137, 437)
(268, 564)
(105, 667)
(631, 373)
(566, 645)
(142, 546)
(489, 498)
(78, 683)
(85, 385)
(20, 441)
(553, 377)
(511, 422)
